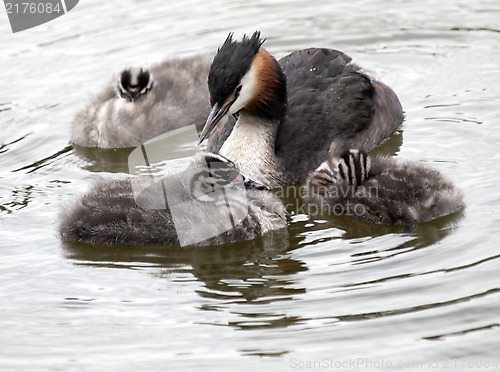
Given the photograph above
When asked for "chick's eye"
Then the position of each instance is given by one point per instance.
(237, 91)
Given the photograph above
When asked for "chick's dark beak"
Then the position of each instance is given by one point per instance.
(214, 117)
(254, 185)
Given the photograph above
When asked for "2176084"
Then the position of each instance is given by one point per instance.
(33, 8)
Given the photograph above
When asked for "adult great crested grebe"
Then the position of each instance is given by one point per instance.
(292, 113)
(210, 203)
(381, 190)
(143, 103)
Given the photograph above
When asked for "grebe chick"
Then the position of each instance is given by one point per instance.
(291, 114)
(143, 103)
(381, 190)
(208, 204)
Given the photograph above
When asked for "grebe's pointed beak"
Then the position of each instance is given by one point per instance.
(214, 117)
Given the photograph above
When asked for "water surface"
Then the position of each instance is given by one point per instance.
(334, 290)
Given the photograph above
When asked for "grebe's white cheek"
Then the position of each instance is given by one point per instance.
(248, 88)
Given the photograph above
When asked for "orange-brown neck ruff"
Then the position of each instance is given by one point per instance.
(270, 97)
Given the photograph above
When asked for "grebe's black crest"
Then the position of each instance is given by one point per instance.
(245, 76)
(230, 64)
